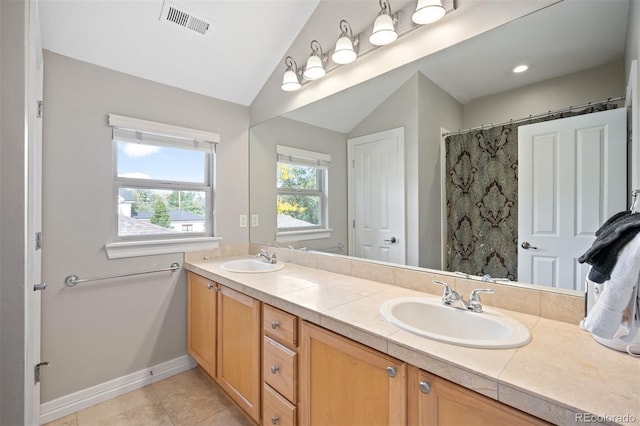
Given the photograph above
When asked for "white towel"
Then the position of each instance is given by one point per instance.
(607, 313)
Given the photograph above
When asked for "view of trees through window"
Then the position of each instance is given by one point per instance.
(299, 200)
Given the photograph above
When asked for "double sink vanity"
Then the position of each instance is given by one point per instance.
(319, 339)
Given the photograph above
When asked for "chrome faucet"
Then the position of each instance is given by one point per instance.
(452, 298)
(264, 255)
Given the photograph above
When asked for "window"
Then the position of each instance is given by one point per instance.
(163, 180)
(302, 201)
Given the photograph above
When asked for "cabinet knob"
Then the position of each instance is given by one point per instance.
(424, 387)
(274, 420)
(274, 369)
(392, 371)
(275, 324)
(209, 286)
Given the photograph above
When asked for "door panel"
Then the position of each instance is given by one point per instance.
(376, 196)
(571, 178)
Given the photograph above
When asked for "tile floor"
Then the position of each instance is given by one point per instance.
(188, 398)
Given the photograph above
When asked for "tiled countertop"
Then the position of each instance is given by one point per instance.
(561, 373)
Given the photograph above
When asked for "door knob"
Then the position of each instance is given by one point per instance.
(391, 240)
(528, 246)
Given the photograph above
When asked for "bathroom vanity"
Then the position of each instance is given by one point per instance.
(290, 338)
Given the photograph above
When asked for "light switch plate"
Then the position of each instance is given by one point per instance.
(255, 220)
(243, 221)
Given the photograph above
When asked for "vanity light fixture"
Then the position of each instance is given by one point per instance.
(291, 79)
(520, 68)
(346, 50)
(428, 12)
(384, 31)
(315, 64)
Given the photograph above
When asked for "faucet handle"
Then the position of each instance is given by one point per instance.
(474, 299)
(447, 290)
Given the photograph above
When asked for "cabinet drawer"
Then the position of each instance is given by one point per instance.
(276, 410)
(279, 368)
(280, 325)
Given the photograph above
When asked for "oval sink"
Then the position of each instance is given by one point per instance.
(251, 266)
(429, 318)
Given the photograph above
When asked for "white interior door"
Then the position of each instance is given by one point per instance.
(571, 178)
(34, 217)
(376, 196)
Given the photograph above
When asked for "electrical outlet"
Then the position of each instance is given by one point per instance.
(255, 220)
(243, 221)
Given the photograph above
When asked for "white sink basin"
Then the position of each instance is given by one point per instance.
(429, 318)
(251, 266)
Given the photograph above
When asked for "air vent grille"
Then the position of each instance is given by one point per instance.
(173, 13)
(177, 16)
(198, 25)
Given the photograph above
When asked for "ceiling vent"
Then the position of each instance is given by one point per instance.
(171, 12)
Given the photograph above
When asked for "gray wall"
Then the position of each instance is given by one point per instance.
(99, 331)
(283, 131)
(591, 85)
(437, 109)
(421, 107)
(632, 48)
(12, 210)
(401, 110)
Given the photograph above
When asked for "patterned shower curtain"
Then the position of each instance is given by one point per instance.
(482, 198)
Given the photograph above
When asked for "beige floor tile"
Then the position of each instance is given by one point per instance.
(232, 416)
(152, 414)
(70, 420)
(113, 407)
(191, 397)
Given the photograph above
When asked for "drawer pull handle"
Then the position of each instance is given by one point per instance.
(424, 387)
(274, 420)
(274, 369)
(275, 324)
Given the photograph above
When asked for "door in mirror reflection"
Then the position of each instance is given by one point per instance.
(376, 196)
(572, 175)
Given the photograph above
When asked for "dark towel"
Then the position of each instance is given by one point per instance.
(611, 238)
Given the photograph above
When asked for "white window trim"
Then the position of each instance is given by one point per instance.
(310, 234)
(303, 157)
(154, 128)
(140, 247)
(124, 249)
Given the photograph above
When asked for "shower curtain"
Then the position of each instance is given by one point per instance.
(482, 197)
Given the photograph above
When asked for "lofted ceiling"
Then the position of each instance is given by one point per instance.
(231, 62)
(248, 39)
(564, 38)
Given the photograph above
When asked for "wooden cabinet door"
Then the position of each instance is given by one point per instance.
(444, 403)
(238, 360)
(201, 322)
(345, 383)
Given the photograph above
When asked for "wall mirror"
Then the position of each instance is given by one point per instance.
(575, 52)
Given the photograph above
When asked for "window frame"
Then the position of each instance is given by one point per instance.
(320, 162)
(179, 142)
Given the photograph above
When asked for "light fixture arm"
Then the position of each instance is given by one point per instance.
(385, 7)
(291, 64)
(346, 31)
(316, 49)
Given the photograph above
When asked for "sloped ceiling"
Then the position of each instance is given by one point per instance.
(561, 39)
(231, 62)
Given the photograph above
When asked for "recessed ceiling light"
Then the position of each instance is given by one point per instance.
(521, 68)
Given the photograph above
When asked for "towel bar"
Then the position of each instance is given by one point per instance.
(72, 280)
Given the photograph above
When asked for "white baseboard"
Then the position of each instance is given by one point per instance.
(85, 398)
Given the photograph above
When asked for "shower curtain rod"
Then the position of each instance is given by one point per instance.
(533, 117)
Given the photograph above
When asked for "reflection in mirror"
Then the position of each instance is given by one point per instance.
(575, 53)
